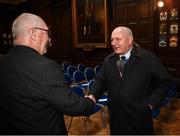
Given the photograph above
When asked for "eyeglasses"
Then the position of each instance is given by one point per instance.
(48, 44)
(46, 30)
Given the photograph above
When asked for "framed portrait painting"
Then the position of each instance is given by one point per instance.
(89, 24)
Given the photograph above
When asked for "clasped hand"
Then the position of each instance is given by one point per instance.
(91, 97)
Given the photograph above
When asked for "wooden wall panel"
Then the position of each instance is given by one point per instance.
(132, 11)
(138, 15)
(144, 9)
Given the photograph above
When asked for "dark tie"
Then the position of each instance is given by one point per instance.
(120, 64)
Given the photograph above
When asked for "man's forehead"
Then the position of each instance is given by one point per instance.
(120, 31)
(117, 32)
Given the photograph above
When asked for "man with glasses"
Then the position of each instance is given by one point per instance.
(33, 98)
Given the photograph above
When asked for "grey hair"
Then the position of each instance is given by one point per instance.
(23, 22)
(126, 30)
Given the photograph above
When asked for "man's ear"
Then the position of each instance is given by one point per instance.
(130, 40)
(32, 33)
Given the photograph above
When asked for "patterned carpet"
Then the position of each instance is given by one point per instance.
(167, 123)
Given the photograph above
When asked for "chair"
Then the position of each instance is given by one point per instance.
(171, 92)
(67, 79)
(79, 91)
(81, 67)
(97, 69)
(164, 102)
(70, 71)
(65, 65)
(89, 73)
(155, 112)
(103, 99)
(90, 83)
(78, 77)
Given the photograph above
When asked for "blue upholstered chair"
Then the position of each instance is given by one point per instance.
(89, 73)
(171, 92)
(70, 71)
(155, 112)
(64, 66)
(81, 67)
(67, 79)
(97, 69)
(78, 77)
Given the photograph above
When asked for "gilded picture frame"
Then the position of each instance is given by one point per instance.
(89, 24)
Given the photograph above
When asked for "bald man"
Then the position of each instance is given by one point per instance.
(33, 98)
(133, 90)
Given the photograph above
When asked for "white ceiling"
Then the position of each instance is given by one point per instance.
(13, 2)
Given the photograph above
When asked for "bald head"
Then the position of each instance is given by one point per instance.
(124, 30)
(121, 40)
(31, 30)
(24, 22)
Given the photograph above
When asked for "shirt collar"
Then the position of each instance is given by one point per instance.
(127, 55)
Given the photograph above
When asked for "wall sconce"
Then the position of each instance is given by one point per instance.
(160, 4)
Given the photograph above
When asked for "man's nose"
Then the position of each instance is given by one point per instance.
(113, 42)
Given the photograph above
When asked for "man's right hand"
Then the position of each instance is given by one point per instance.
(91, 97)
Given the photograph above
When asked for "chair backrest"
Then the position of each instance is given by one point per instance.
(89, 73)
(65, 65)
(78, 90)
(90, 83)
(78, 77)
(171, 92)
(155, 112)
(97, 69)
(81, 67)
(67, 79)
(70, 70)
(103, 99)
(97, 108)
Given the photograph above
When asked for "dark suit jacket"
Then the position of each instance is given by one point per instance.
(145, 81)
(33, 98)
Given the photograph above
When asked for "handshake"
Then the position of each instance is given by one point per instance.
(91, 97)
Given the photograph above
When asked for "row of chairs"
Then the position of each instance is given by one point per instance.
(79, 74)
(81, 67)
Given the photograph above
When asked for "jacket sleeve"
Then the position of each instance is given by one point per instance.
(161, 82)
(99, 87)
(61, 97)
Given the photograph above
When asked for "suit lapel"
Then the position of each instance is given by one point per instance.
(135, 53)
(113, 64)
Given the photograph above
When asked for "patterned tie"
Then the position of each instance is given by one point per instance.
(120, 64)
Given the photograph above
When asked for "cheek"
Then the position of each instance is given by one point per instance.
(117, 50)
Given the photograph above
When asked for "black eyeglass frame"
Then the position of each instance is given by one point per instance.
(46, 30)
